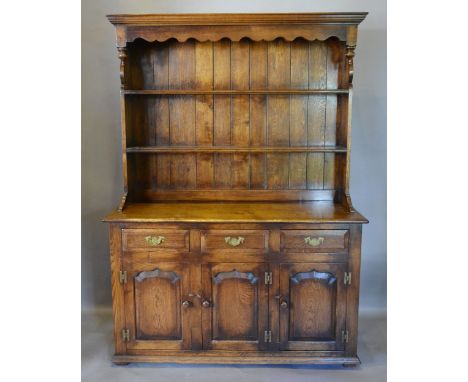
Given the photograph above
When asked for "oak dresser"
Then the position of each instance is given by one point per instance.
(236, 240)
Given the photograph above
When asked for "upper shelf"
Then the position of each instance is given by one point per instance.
(235, 92)
(236, 149)
(256, 26)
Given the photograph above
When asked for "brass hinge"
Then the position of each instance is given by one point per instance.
(123, 277)
(125, 335)
(268, 278)
(347, 278)
(267, 335)
(344, 336)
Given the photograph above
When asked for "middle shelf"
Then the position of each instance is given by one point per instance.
(233, 92)
(236, 149)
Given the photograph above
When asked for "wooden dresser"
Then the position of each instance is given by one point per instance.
(236, 240)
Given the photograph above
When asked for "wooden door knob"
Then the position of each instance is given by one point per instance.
(284, 304)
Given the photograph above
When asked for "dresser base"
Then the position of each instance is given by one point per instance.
(235, 293)
(203, 358)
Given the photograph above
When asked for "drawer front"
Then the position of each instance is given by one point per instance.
(314, 240)
(155, 239)
(234, 241)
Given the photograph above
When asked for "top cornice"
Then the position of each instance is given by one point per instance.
(349, 18)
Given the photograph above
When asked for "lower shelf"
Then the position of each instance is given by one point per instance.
(252, 359)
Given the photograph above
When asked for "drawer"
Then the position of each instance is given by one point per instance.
(314, 240)
(234, 241)
(155, 239)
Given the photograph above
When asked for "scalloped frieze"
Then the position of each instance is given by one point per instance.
(233, 32)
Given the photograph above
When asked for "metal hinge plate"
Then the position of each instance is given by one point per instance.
(347, 278)
(344, 336)
(125, 335)
(268, 278)
(123, 277)
(267, 335)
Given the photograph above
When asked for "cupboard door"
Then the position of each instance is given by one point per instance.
(312, 306)
(157, 307)
(234, 306)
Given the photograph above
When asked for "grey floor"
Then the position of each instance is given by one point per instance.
(97, 351)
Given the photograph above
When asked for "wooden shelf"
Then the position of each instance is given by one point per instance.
(236, 92)
(234, 149)
(237, 212)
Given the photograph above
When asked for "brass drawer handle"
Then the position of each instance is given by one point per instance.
(233, 241)
(314, 241)
(155, 240)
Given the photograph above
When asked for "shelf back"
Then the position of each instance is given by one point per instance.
(208, 120)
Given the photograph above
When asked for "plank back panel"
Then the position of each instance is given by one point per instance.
(279, 71)
(182, 113)
(234, 120)
(204, 112)
(240, 118)
(298, 113)
(222, 111)
(258, 113)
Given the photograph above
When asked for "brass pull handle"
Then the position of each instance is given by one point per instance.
(284, 304)
(234, 241)
(155, 240)
(314, 241)
(206, 304)
(186, 304)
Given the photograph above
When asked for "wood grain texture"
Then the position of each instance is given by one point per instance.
(194, 314)
(157, 302)
(216, 103)
(222, 111)
(118, 303)
(313, 314)
(216, 33)
(345, 18)
(230, 357)
(240, 109)
(154, 314)
(311, 212)
(334, 54)
(161, 115)
(316, 113)
(352, 302)
(298, 114)
(182, 113)
(313, 317)
(235, 149)
(204, 113)
(258, 113)
(261, 90)
(279, 74)
(239, 307)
